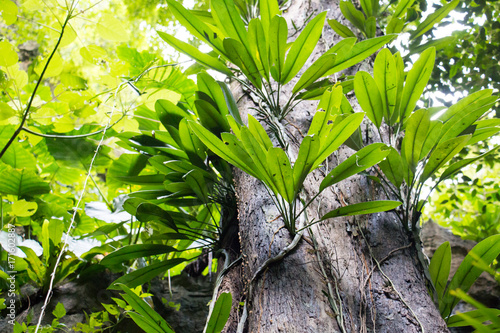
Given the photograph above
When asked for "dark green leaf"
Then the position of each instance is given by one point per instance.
(135, 251)
(352, 14)
(220, 313)
(242, 58)
(385, 75)
(315, 71)
(439, 268)
(393, 168)
(368, 96)
(278, 34)
(340, 29)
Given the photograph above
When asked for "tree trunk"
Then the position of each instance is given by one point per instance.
(355, 274)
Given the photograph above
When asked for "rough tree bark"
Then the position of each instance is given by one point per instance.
(331, 282)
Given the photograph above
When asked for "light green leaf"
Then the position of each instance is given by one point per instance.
(457, 166)
(352, 14)
(54, 68)
(416, 81)
(444, 152)
(360, 161)
(362, 208)
(302, 47)
(370, 27)
(23, 208)
(432, 137)
(467, 273)
(259, 133)
(417, 128)
(209, 86)
(308, 153)
(22, 182)
(193, 52)
(220, 313)
(368, 96)
(259, 47)
(281, 173)
(434, 18)
(146, 274)
(315, 71)
(229, 21)
(8, 56)
(385, 75)
(479, 315)
(231, 103)
(111, 28)
(135, 251)
(393, 168)
(278, 34)
(59, 311)
(439, 268)
(196, 181)
(241, 57)
(268, 10)
(340, 29)
(9, 12)
(395, 26)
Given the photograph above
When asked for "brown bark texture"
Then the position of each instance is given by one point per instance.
(354, 274)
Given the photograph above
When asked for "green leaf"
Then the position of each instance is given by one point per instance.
(439, 268)
(210, 117)
(59, 311)
(9, 12)
(369, 7)
(231, 103)
(485, 251)
(479, 315)
(147, 212)
(209, 86)
(111, 28)
(278, 34)
(23, 208)
(8, 56)
(444, 152)
(149, 320)
(259, 47)
(196, 27)
(359, 52)
(432, 137)
(302, 47)
(315, 71)
(193, 52)
(457, 166)
(393, 168)
(220, 313)
(241, 57)
(416, 81)
(268, 10)
(135, 251)
(395, 26)
(401, 8)
(340, 29)
(360, 161)
(22, 182)
(434, 18)
(259, 133)
(465, 103)
(370, 27)
(279, 167)
(417, 128)
(146, 274)
(352, 14)
(308, 153)
(193, 147)
(229, 21)
(196, 181)
(368, 96)
(35, 265)
(385, 75)
(362, 208)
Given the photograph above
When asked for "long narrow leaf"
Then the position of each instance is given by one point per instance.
(368, 96)
(362, 208)
(135, 251)
(439, 268)
(434, 18)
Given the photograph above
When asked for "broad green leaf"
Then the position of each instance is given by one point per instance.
(370, 27)
(434, 18)
(210, 117)
(154, 322)
(480, 315)
(352, 14)
(279, 167)
(302, 47)
(147, 212)
(196, 27)
(54, 68)
(241, 57)
(362, 208)
(220, 313)
(18, 157)
(268, 10)
(240, 152)
(146, 274)
(135, 251)
(204, 59)
(432, 137)
(339, 133)
(308, 153)
(23, 208)
(196, 181)
(444, 152)
(393, 168)
(259, 47)
(209, 86)
(457, 166)
(401, 8)
(343, 47)
(368, 96)
(111, 28)
(6, 111)
(22, 182)
(360, 161)
(359, 52)
(439, 268)
(369, 7)
(416, 81)
(340, 29)
(278, 34)
(229, 21)
(59, 311)
(231, 103)
(385, 75)
(9, 12)
(467, 273)
(459, 122)
(395, 26)
(315, 71)
(8, 56)
(259, 133)
(417, 128)
(331, 102)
